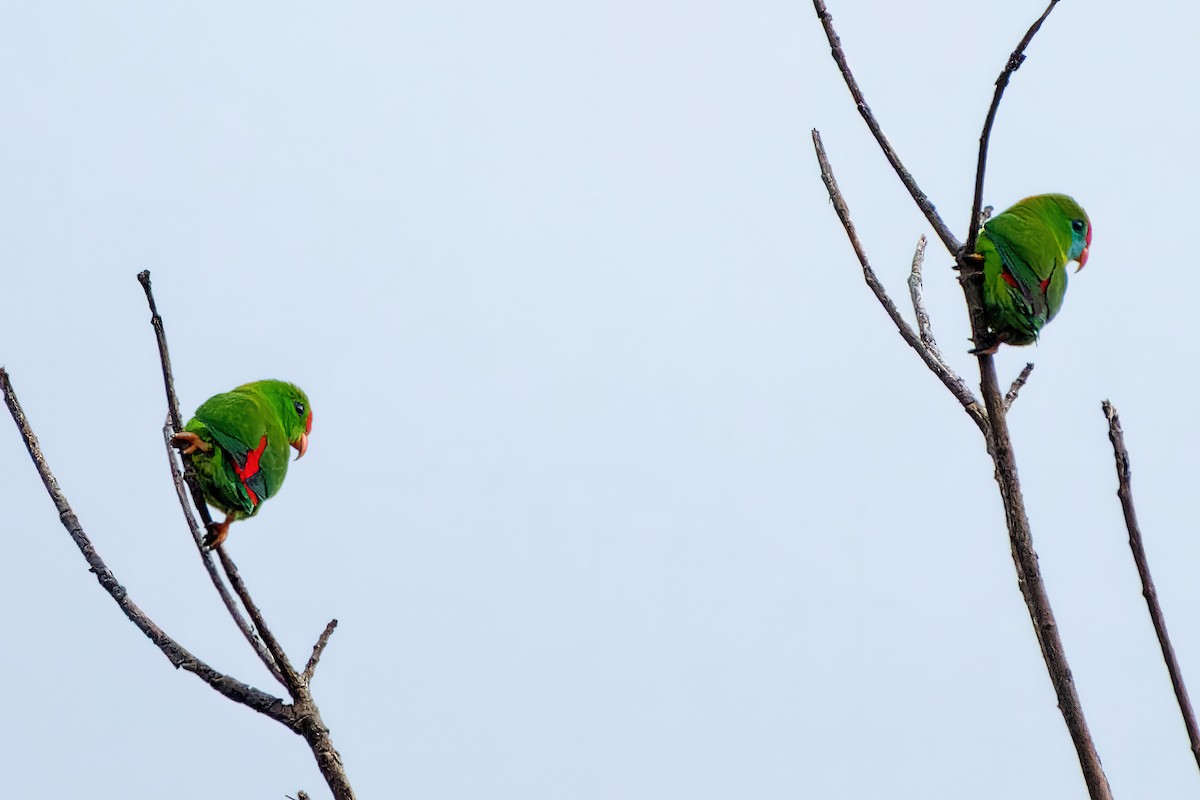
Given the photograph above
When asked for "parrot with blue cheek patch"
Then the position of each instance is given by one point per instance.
(1025, 253)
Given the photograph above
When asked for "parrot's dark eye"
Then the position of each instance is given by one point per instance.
(1077, 225)
(299, 408)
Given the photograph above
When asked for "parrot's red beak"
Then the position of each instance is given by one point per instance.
(301, 444)
(1084, 255)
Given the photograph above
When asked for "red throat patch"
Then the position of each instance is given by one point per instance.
(250, 469)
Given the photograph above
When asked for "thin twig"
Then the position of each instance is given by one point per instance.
(1125, 492)
(290, 679)
(948, 377)
(916, 290)
(318, 649)
(173, 415)
(1014, 63)
(161, 335)
(910, 183)
(1017, 384)
(235, 690)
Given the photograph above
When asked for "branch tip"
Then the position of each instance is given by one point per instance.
(1017, 384)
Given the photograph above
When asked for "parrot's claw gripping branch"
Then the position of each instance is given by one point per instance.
(217, 534)
(190, 443)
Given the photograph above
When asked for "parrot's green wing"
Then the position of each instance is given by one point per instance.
(244, 425)
(1025, 251)
(1013, 261)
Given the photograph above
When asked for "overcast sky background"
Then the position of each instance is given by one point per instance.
(621, 484)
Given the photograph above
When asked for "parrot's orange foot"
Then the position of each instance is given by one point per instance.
(970, 259)
(192, 442)
(217, 534)
(987, 348)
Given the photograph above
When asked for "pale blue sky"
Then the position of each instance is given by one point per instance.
(620, 483)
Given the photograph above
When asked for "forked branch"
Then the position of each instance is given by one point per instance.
(306, 716)
(235, 690)
(993, 423)
(932, 359)
(910, 183)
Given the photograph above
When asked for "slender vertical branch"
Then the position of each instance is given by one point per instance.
(1125, 492)
(910, 183)
(1033, 589)
(916, 289)
(1014, 63)
(165, 357)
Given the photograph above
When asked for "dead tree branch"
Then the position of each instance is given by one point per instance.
(947, 376)
(916, 289)
(1015, 60)
(1125, 492)
(910, 183)
(994, 424)
(318, 649)
(1017, 384)
(235, 690)
(301, 715)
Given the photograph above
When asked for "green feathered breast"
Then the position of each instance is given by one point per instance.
(1025, 254)
(250, 430)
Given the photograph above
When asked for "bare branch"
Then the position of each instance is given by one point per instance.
(318, 649)
(1017, 384)
(910, 183)
(995, 428)
(1014, 63)
(916, 290)
(1125, 492)
(161, 335)
(235, 690)
(948, 377)
(290, 679)
(1033, 589)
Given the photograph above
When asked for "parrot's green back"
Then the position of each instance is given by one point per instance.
(251, 429)
(1025, 254)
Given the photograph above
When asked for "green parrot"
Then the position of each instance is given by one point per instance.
(238, 442)
(1025, 253)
